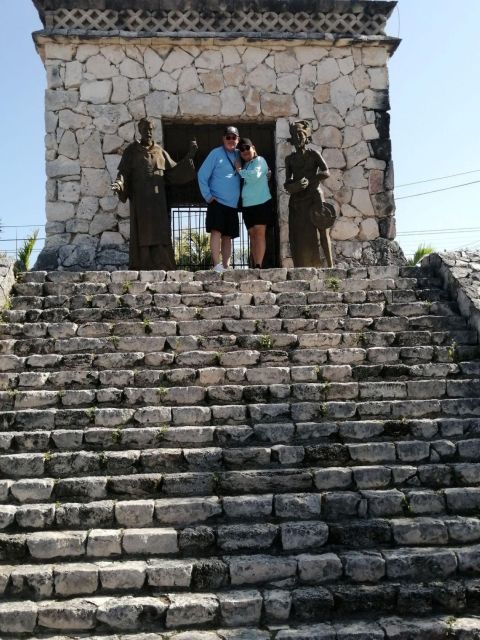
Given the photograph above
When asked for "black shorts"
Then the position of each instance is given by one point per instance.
(222, 218)
(258, 214)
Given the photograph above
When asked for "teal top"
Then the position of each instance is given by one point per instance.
(255, 188)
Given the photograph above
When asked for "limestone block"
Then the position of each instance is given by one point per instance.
(212, 81)
(234, 75)
(103, 543)
(327, 71)
(252, 102)
(308, 54)
(351, 136)
(68, 146)
(198, 104)
(109, 203)
(43, 545)
(87, 208)
(378, 78)
(100, 68)
(102, 222)
(357, 154)
(277, 605)
(277, 106)
(368, 229)
(319, 568)
(96, 92)
(304, 100)
(303, 535)
(361, 201)
(73, 74)
(91, 154)
(150, 541)
(59, 211)
(152, 62)
(68, 119)
(258, 569)
(328, 115)
(120, 93)
(230, 56)
(308, 77)
(161, 103)
(75, 578)
(178, 59)
(95, 182)
(51, 121)
(127, 132)
(59, 51)
(131, 69)
(334, 158)
(287, 83)
(139, 88)
(85, 51)
(18, 617)
(55, 72)
(108, 118)
(376, 100)
(253, 56)
(209, 59)
(360, 78)
(170, 573)
(112, 143)
(240, 607)
(79, 615)
(286, 62)
(347, 65)
(69, 191)
(111, 237)
(375, 56)
(192, 609)
(344, 229)
(136, 513)
(114, 53)
(355, 178)
(57, 99)
(232, 102)
(342, 94)
(364, 567)
(355, 118)
(164, 81)
(62, 166)
(262, 77)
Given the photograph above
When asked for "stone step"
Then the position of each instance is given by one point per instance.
(302, 434)
(266, 382)
(87, 577)
(234, 608)
(265, 409)
(433, 627)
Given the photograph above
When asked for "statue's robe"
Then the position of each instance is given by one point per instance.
(145, 173)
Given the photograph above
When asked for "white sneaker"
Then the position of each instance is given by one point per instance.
(219, 268)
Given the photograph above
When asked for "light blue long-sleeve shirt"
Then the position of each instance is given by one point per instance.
(218, 179)
(255, 189)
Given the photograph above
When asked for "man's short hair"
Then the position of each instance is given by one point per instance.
(144, 122)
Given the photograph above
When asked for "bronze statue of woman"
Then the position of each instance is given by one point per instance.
(305, 169)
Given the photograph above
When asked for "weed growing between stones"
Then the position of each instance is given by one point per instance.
(452, 351)
(265, 342)
(333, 284)
(126, 286)
(161, 433)
(147, 327)
(117, 436)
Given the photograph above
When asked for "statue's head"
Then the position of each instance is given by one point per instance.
(300, 132)
(146, 127)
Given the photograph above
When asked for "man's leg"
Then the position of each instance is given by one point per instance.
(326, 246)
(215, 244)
(226, 250)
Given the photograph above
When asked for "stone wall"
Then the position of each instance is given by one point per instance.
(7, 280)
(98, 89)
(460, 272)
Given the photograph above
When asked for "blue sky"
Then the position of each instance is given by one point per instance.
(435, 122)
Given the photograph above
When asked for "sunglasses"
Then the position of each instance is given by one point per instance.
(230, 137)
(245, 147)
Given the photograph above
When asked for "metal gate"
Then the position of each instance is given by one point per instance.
(187, 207)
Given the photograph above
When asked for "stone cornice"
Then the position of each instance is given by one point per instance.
(192, 17)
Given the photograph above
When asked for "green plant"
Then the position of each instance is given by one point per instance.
(147, 326)
(318, 373)
(114, 340)
(25, 251)
(7, 305)
(422, 251)
(47, 456)
(162, 392)
(192, 250)
(333, 283)
(450, 622)
(117, 436)
(265, 341)
(323, 409)
(103, 459)
(90, 413)
(407, 509)
(452, 351)
(126, 286)
(161, 433)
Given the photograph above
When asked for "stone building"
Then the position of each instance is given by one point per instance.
(193, 63)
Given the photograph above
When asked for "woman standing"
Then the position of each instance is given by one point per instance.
(256, 199)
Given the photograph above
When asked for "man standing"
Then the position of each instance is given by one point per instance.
(143, 172)
(219, 184)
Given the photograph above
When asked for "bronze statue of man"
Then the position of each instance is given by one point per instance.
(144, 171)
(308, 212)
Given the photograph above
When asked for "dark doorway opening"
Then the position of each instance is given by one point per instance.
(187, 207)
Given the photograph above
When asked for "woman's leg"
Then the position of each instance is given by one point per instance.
(226, 250)
(215, 244)
(258, 243)
(326, 246)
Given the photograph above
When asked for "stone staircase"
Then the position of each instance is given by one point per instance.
(275, 454)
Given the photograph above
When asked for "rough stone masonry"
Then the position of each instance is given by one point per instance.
(110, 63)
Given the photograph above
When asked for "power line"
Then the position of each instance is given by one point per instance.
(454, 230)
(452, 175)
(425, 193)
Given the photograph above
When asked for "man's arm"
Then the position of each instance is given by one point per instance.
(204, 175)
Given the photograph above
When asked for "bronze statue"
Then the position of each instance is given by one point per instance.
(308, 211)
(143, 172)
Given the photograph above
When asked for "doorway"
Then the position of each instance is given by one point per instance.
(187, 207)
